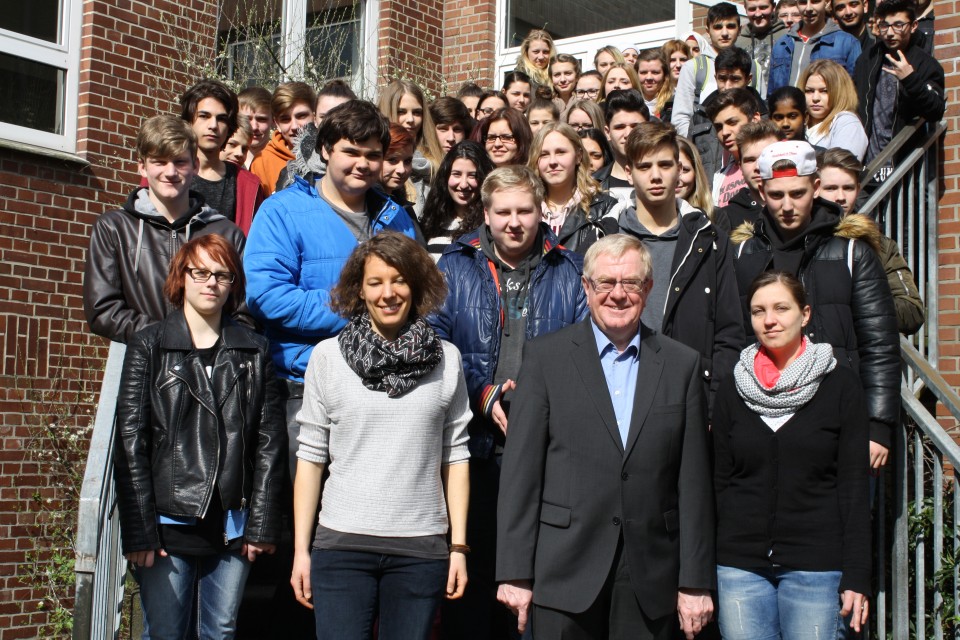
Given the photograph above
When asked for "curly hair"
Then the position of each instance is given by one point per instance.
(439, 210)
(427, 287)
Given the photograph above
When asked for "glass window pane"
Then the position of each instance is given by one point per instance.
(31, 94)
(570, 18)
(332, 43)
(36, 18)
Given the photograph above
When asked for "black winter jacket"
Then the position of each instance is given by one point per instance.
(579, 231)
(920, 95)
(129, 257)
(184, 439)
(701, 307)
(847, 290)
(743, 207)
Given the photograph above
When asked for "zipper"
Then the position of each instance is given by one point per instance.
(679, 266)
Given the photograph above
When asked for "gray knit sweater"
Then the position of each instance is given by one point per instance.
(384, 454)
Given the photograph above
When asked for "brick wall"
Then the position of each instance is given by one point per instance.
(468, 42)
(132, 63)
(411, 42)
(947, 51)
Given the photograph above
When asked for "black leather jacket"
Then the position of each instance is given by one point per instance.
(579, 231)
(129, 257)
(849, 296)
(184, 439)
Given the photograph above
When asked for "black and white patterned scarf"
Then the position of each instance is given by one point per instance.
(391, 366)
(797, 384)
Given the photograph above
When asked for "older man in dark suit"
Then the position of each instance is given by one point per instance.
(606, 519)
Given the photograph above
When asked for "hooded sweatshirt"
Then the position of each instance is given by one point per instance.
(688, 95)
(760, 48)
(661, 248)
(271, 161)
(129, 257)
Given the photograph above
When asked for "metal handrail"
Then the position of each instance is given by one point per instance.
(890, 151)
(100, 565)
(929, 471)
(902, 166)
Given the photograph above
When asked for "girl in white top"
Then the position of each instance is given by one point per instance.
(832, 119)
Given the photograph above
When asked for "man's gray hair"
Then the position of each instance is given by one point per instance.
(616, 246)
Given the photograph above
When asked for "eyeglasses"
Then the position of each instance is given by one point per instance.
(897, 27)
(203, 275)
(607, 286)
(505, 138)
(585, 93)
(486, 111)
(579, 126)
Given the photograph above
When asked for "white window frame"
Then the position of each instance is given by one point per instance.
(63, 54)
(293, 25)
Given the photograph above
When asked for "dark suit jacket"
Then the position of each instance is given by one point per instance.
(569, 488)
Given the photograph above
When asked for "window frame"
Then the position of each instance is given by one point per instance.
(64, 55)
(584, 47)
(293, 29)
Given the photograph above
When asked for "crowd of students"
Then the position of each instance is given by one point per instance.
(326, 303)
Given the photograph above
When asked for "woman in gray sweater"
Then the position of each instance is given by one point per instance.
(385, 412)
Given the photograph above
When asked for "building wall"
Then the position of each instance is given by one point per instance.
(468, 42)
(134, 64)
(50, 364)
(947, 51)
(411, 42)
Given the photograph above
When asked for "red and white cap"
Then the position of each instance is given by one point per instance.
(798, 152)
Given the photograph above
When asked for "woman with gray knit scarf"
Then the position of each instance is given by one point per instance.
(385, 413)
(790, 432)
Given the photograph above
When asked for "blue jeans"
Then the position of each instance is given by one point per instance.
(351, 588)
(778, 603)
(175, 584)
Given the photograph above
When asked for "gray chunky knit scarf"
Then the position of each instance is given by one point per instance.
(797, 384)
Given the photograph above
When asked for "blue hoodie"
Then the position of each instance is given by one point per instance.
(295, 251)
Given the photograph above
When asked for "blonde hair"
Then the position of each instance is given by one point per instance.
(538, 75)
(840, 88)
(426, 139)
(590, 108)
(510, 178)
(584, 182)
(631, 74)
(702, 198)
(165, 137)
(665, 93)
(613, 51)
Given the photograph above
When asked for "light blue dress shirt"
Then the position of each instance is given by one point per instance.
(620, 373)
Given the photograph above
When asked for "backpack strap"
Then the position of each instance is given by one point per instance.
(700, 82)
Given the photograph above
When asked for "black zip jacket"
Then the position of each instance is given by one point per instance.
(920, 94)
(129, 257)
(851, 303)
(580, 231)
(701, 307)
(184, 439)
(743, 207)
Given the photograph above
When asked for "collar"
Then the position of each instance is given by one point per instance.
(604, 343)
(176, 334)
